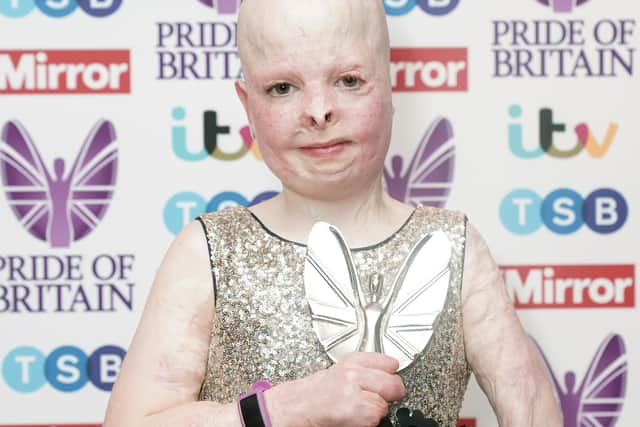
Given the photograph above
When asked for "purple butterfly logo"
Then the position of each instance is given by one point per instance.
(225, 7)
(427, 179)
(563, 6)
(597, 401)
(58, 208)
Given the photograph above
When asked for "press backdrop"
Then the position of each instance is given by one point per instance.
(523, 114)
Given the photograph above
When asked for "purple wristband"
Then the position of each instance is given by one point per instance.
(252, 407)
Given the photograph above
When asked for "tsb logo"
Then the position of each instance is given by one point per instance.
(571, 286)
(67, 368)
(58, 8)
(182, 208)
(563, 211)
(585, 139)
(432, 7)
(428, 69)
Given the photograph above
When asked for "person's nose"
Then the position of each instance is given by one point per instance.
(320, 110)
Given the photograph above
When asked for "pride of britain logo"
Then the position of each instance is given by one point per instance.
(224, 7)
(563, 6)
(428, 176)
(597, 399)
(58, 207)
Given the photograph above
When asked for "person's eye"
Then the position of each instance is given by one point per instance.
(280, 89)
(350, 81)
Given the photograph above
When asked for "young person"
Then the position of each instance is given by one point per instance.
(317, 94)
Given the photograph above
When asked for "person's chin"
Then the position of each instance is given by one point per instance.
(332, 184)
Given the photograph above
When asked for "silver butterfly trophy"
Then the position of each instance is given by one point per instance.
(399, 323)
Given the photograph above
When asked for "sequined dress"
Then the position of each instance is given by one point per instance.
(262, 325)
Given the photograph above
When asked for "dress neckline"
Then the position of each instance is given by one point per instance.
(303, 245)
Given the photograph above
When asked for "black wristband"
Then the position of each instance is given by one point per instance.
(250, 412)
(252, 407)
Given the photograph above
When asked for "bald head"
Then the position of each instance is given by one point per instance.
(270, 26)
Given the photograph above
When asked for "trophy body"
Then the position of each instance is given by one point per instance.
(398, 323)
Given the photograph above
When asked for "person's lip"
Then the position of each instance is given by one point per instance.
(326, 148)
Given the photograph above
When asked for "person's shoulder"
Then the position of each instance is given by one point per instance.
(223, 215)
(451, 220)
(214, 222)
(445, 217)
(189, 245)
(438, 211)
(185, 268)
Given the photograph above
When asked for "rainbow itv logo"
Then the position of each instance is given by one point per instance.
(563, 6)
(58, 208)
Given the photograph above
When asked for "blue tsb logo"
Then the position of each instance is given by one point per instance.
(432, 7)
(183, 207)
(58, 8)
(564, 211)
(67, 368)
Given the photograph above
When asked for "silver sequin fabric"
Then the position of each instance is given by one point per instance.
(262, 325)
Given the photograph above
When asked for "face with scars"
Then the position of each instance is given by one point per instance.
(317, 91)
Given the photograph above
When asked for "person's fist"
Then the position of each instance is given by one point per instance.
(355, 392)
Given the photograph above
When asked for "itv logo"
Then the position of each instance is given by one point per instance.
(212, 130)
(550, 130)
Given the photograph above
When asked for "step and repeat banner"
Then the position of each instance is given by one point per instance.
(119, 124)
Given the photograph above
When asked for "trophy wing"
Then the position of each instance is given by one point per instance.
(332, 291)
(416, 298)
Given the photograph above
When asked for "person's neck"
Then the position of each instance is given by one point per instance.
(364, 219)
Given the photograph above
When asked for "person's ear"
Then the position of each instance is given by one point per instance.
(241, 91)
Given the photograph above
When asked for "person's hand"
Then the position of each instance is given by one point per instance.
(354, 392)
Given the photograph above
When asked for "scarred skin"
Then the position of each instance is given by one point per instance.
(318, 97)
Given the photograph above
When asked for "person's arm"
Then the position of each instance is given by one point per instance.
(165, 365)
(508, 368)
(160, 378)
